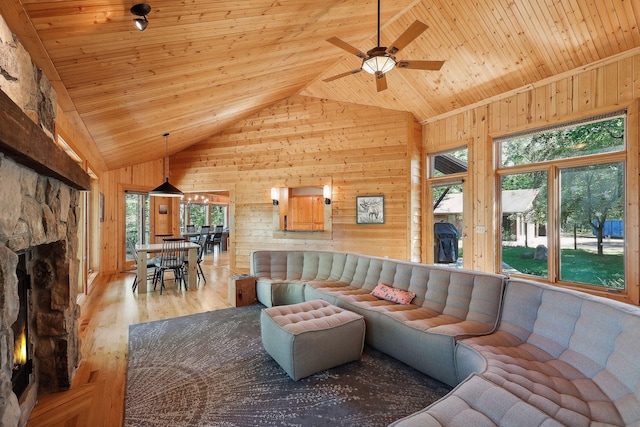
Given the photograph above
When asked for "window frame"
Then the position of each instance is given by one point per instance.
(628, 156)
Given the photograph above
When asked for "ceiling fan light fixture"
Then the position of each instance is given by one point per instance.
(141, 9)
(379, 64)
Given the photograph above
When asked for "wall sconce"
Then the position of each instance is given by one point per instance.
(275, 196)
(141, 9)
(326, 192)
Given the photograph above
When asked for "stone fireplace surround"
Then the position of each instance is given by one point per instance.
(39, 206)
(46, 227)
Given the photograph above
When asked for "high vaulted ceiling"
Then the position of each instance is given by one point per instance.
(202, 65)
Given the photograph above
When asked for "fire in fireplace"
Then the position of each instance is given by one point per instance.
(22, 364)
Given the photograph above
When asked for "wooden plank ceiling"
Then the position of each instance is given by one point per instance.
(202, 65)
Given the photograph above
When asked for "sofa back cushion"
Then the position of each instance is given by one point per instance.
(466, 295)
(287, 265)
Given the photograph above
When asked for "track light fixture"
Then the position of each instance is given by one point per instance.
(141, 9)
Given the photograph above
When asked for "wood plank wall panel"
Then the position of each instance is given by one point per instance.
(305, 141)
(66, 125)
(416, 192)
(601, 87)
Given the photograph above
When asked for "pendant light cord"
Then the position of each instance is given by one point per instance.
(166, 155)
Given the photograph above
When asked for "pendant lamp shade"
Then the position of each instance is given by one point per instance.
(166, 189)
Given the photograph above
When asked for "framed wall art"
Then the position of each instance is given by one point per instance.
(370, 210)
(101, 207)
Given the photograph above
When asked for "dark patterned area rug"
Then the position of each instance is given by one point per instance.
(211, 369)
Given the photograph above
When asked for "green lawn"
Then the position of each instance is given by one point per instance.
(576, 266)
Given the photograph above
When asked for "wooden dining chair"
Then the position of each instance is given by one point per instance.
(171, 258)
(151, 266)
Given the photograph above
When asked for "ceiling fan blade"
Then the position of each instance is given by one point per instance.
(407, 37)
(420, 65)
(348, 73)
(346, 46)
(381, 82)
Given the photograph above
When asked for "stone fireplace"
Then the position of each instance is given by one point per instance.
(44, 229)
(39, 206)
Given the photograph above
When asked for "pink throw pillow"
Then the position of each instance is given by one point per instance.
(392, 294)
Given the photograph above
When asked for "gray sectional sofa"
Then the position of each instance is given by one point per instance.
(518, 352)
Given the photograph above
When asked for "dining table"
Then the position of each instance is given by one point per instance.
(156, 248)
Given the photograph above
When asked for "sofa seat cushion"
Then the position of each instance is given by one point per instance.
(479, 403)
(551, 384)
(328, 285)
(421, 318)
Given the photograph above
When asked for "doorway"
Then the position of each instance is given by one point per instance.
(446, 204)
(447, 201)
(137, 223)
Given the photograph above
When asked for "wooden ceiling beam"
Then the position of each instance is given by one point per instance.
(27, 144)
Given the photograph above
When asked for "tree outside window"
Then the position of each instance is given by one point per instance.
(217, 215)
(197, 214)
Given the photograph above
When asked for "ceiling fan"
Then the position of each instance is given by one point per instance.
(379, 60)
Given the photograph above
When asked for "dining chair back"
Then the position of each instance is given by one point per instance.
(131, 246)
(216, 240)
(171, 258)
(204, 231)
(191, 228)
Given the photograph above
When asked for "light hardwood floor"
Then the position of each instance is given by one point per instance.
(96, 397)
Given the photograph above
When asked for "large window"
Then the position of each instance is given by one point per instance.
(562, 194)
(204, 213)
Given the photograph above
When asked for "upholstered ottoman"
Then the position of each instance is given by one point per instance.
(311, 336)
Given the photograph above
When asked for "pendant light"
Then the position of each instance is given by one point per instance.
(166, 189)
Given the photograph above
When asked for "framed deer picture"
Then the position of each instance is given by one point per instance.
(370, 210)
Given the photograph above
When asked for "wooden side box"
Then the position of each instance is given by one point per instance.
(242, 290)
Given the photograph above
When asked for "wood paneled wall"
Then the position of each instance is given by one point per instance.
(305, 141)
(605, 86)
